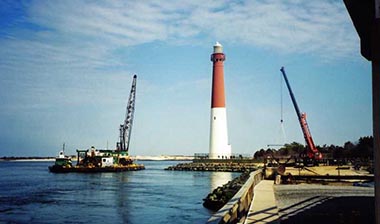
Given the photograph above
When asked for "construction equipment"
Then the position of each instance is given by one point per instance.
(126, 128)
(98, 160)
(312, 152)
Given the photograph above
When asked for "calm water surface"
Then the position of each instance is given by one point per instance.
(29, 193)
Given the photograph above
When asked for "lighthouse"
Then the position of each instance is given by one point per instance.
(219, 145)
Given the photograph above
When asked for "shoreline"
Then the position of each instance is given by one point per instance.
(27, 160)
(141, 158)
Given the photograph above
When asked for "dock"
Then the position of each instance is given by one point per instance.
(262, 201)
(263, 208)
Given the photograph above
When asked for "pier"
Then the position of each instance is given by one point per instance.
(334, 201)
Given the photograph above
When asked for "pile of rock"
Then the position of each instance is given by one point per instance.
(221, 195)
(219, 167)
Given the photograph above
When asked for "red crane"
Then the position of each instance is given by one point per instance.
(312, 151)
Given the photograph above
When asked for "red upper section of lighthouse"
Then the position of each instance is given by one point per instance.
(218, 95)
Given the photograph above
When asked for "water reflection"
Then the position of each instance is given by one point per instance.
(219, 178)
(122, 197)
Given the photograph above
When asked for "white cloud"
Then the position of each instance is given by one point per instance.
(320, 27)
(309, 27)
(85, 35)
(81, 37)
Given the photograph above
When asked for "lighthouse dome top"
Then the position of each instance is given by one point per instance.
(218, 48)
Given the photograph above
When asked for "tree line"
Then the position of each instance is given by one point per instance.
(363, 148)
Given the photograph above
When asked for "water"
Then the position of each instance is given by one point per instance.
(31, 194)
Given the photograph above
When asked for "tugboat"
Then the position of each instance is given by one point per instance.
(93, 160)
(61, 161)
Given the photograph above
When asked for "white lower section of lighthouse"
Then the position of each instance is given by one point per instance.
(219, 146)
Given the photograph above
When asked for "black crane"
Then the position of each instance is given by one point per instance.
(126, 127)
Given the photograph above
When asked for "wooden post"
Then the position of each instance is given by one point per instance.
(366, 18)
(376, 133)
(375, 45)
(376, 122)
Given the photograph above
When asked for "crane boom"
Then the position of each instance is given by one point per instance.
(126, 127)
(313, 152)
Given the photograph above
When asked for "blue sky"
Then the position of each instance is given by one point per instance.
(66, 68)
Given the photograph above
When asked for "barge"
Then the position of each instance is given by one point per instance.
(95, 161)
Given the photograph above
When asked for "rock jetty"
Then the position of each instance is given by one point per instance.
(218, 167)
(221, 195)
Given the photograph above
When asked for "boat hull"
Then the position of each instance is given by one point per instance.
(76, 169)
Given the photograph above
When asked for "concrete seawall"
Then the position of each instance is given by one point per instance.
(236, 210)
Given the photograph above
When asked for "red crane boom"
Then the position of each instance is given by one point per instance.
(312, 151)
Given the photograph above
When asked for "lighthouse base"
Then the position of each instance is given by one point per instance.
(219, 147)
(222, 153)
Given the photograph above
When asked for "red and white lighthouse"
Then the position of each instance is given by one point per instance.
(219, 145)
